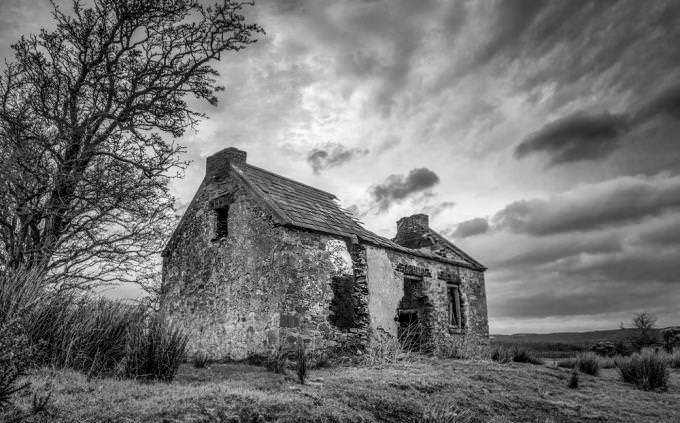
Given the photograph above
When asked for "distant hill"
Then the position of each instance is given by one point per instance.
(566, 337)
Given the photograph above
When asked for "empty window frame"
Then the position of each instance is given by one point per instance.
(221, 222)
(455, 319)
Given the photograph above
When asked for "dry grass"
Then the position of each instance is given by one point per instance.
(412, 391)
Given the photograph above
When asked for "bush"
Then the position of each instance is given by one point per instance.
(15, 354)
(604, 349)
(646, 371)
(671, 339)
(155, 351)
(588, 363)
(523, 355)
(276, 361)
(674, 359)
(200, 360)
(573, 380)
(501, 355)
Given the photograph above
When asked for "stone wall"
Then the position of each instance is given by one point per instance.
(385, 273)
(260, 286)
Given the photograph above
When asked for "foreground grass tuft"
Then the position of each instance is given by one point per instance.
(447, 413)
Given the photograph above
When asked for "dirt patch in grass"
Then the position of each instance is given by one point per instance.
(396, 393)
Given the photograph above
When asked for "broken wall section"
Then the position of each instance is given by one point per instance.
(386, 274)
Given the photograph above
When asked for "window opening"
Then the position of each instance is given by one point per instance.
(222, 222)
(454, 306)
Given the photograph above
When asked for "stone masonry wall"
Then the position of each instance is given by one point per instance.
(385, 276)
(260, 286)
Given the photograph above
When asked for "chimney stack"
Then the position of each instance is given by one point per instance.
(410, 231)
(217, 165)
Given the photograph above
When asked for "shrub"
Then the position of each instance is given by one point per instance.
(13, 362)
(674, 359)
(501, 355)
(588, 363)
(573, 380)
(604, 349)
(523, 355)
(276, 361)
(200, 360)
(646, 371)
(155, 351)
(671, 338)
(301, 361)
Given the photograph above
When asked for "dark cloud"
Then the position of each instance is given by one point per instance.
(572, 298)
(599, 205)
(541, 252)
(576, 137)
(472, 227)
(332, 155)
(512, 19)
(661, 235)
(398, 187)
(666, 102)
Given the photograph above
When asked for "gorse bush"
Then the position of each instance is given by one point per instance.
(646, 371)
(588, 363)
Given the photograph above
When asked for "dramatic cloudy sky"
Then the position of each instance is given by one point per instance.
(540, 136)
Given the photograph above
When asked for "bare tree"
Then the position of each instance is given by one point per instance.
(88, 117)
(644, 323)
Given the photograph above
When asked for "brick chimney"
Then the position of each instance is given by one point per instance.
(410, 231)
(217, 165)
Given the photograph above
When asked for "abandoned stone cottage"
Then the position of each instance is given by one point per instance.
(259, 260)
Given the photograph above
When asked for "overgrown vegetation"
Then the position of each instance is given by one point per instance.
(301, 362)
(524, 355)
(39, 327)
(647, 371)
(20, 292)
(573, 380)
(588, 363)
(200, 360)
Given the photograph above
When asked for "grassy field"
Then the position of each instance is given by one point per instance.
(482, 391)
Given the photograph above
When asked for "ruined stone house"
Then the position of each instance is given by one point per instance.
(259, 260)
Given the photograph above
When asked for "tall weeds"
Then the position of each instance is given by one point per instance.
(20, 292)
(647, 371)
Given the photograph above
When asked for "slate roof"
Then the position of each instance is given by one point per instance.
(299, 205)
